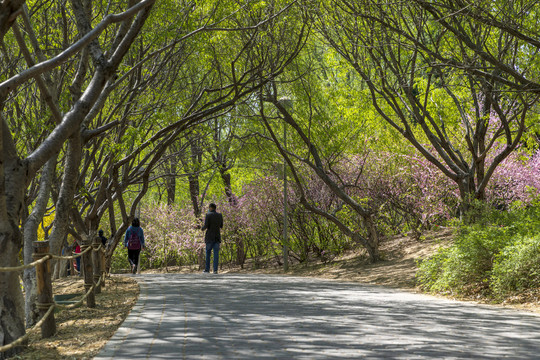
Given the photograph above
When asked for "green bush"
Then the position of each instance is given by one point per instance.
(496, 256)
(119, 259)
(517, 268)
(120, 262)
(464, 268)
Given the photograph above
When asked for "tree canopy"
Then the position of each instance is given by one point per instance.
(387, 117)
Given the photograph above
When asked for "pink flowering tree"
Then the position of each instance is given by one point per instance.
(517, 179)
(171, 235)
(407, 192)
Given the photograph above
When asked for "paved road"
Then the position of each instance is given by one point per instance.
(272, 317)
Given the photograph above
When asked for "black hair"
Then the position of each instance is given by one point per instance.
(212, 206)
(136, 222)
(100, 232)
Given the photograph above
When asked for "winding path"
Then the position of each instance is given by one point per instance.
(275, 317)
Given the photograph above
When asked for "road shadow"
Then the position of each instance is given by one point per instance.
(273, 317)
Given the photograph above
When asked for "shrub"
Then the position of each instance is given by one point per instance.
(517, 268)
(171, 235)
(464, 268)
(119, 258)
(495, 257)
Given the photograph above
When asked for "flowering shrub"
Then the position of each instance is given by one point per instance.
(405, 190)
(253, 229)
(171, 235)
(516, 179)
(255, 221)
(256, 224)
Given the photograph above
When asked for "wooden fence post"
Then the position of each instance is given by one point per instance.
(96, 259)
(88, 272)
(44, 288)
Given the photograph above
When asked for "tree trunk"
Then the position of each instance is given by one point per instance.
(240, 253)
(12, 186)
(467, 190)
(65, 198)
(11, 298)
(171, 189)
(193, 178)
(226, 177)
(372, 243)
(30, 228)
(171, 182)
(194, 192)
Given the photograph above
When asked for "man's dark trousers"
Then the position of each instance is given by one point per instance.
(213, 223)
(209, 247)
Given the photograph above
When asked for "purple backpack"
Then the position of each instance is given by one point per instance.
(134, 243)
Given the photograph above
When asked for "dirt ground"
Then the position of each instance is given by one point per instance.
(397, 269)
(82, 332)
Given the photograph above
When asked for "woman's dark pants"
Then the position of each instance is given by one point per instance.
(133, 257)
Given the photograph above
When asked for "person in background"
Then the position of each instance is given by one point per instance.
(134, 242)
(78, 260)
(213, 223)
(103, 238)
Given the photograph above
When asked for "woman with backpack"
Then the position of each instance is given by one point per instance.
(134, 241)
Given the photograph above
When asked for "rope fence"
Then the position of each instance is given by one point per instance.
(47, 257)
(73, 257)
(23, 338)
(81, 300)
(27, 266)
(94, 278)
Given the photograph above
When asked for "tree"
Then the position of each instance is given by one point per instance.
(515, 23)
(322, 169)
(431, 88)
(16, 172)
(177, 96)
